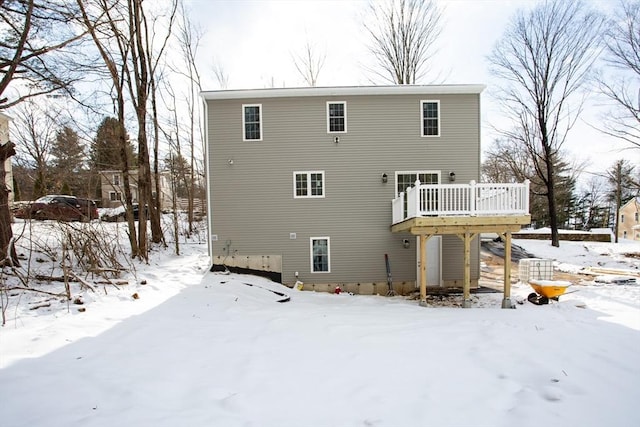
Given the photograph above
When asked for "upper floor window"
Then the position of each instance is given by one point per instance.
(308, 184)
(252, 122)
(430, 118)
(337, 117)
(636, 216)
(622, 218)
(116, 179)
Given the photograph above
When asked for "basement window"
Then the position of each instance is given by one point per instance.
(320, 255)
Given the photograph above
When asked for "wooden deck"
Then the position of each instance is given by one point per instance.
(461, 224)
(464, 211)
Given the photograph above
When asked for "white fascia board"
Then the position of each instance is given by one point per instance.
(343, 91)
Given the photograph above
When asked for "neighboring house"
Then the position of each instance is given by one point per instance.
(301, 183)
(112, 188)
(4, 138)
(628, 221)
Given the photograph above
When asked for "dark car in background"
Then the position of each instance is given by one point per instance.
(119, 214)
(60, 208)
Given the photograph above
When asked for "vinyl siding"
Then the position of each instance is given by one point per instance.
(252, 205)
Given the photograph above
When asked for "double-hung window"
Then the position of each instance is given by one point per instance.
(430, 118)
(404, 180)
(252, 122)
(116, 179)
(308, 184)
(337, 117)
(320, 255)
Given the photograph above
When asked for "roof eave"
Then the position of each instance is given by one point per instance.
(343, 91)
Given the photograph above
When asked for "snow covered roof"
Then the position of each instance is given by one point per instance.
(344, 91)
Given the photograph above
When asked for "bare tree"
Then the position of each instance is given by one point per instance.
(37, 43)
(37, 40)
(594, 211)
(506, 161)
(622, 89)
(153, 56)
(7, 255)
(309, 63)
(34, 133)
(99, 20)
(621, 187)
(125, 39)
(221, 75)
(543, 60)
(189, 37)
(403, 36)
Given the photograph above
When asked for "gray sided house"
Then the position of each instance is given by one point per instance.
(309, 184)
(112, 188)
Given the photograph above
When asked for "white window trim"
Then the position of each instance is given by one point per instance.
(311, 239)
(309, 196)
(116, 179)
(415, 172)
(244, 133)
(345, 117)
(422, 102)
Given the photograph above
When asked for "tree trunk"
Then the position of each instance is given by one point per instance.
(618, 178)
(6, 233)
(551, 199)
(156, 210)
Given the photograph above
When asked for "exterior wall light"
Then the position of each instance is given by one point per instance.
(385, 178)
(336, 139)
(452, 176)
(230, 161)
(406, 243)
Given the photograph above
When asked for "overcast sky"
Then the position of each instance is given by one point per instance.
(254, 42)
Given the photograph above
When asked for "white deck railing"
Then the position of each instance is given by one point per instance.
(461, 199)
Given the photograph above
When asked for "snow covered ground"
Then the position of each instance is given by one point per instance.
(204, 349)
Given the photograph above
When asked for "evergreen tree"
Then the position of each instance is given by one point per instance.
(65, 189)
(67, 151)
(68, 161)
(16, 190)
(105, 153)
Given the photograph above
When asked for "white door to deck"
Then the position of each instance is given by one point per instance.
(407, 179)
(404, 180)
(434, 264)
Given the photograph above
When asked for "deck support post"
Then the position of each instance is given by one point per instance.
(466, 285)
(423, 269)
(466, 228)
(506, 301)
(466, 290)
